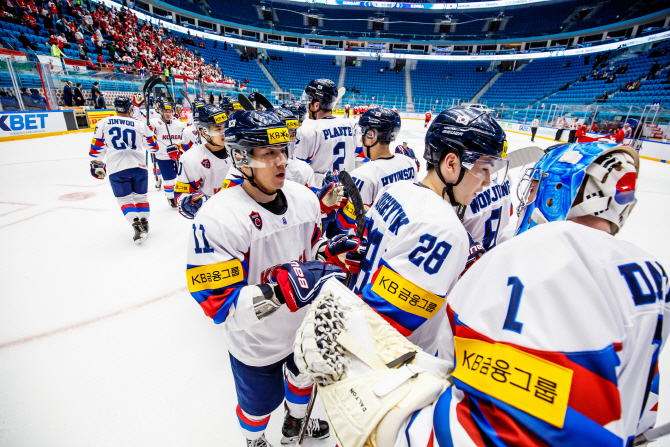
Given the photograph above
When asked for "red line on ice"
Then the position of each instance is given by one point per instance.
(88, 322)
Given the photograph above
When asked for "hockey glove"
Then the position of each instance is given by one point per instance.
(98, 169)
(346, 252)
(331, 177)
(191, 203)
(476, 251)
(331, 197)
(299, 283)
(173, 152)
(408, 152)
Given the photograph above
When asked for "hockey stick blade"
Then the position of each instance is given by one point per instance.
(340, 94)
(524, 156)
(245, 103)
(359, 208)
(262, 100)
(185, 95)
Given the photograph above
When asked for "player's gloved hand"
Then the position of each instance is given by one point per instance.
(299, 283)
(98, 169)
(173, 152)
(331, 197)
(408, 152)
(476, 251)
(346, 252)
(191, 203)
(331, 177)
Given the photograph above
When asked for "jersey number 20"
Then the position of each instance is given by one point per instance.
(128, 136)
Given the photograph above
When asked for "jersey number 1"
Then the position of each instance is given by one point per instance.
(207, 248)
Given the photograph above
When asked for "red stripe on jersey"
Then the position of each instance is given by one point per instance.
(430, 440)
(465, 419)
(507, 429)
(299, 391)
(655, 407)
(214, 302)
(404, 331)
(252, 422)
(617, 346)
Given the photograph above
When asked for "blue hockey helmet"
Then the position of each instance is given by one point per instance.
(250, 129)
(123, 104)
(229, 104)
(474, 136)
(378, 124)
(579, 179)
(324, 91)
(210, 121)
(298, 109)
(291, 120)
(198, 102)
(164, 105)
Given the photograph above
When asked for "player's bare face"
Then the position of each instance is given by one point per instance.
(167, 115)
(269, 165)
(470, 186)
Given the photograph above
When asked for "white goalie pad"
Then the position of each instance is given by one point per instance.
(370, 378)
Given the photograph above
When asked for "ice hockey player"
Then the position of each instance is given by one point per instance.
(120, 140)
(328, 144)
(190, 135)
(559, 346)
(251, 267)
(407, 151)
(296, 170)
(346, 110)
(203, 169)
(415, 238)
(488, 217)
(168, 133)
(376, 129)
(428, 116)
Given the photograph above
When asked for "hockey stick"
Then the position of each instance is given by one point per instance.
(262, 100)
(524, 156)
(185, 95)
(245, 102)
(652, 434)
(357, 201)
(359, 208)
(148, 85)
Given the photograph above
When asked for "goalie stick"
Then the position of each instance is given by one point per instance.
(357, 202)
(524, 156)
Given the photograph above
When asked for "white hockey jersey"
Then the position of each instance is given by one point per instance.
(190, 137)
(555, 337)
(121, 142)
(370, 178)
(300, 172)
(140, 113)
(489, 214)
(417, 248)
(327, 145)
(201, 170)
(167, 134)
(236, 243)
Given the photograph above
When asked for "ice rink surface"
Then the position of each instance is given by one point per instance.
(101, 344)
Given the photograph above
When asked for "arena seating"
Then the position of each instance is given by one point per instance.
(385, 89)
(295, 71)
(448, 80)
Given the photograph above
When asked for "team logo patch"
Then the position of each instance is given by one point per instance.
(463, 119)
(256, 219)
(625, 188)
(206, 163)
(292, 124)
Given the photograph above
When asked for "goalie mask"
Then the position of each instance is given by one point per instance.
(580, 179)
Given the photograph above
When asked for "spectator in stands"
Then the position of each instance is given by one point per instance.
(628, 86)
(55, 50)
(8, 17)
(603, 98)
(78, 96)
(67, 94)
(99, 100)
(611, 79)
(30, 22)
(565, 87)
(26, 43)
(594, 127)
(636, 86)
(95, 89)
(566, 65)
(49, 24)
(619, 135)
(654, 53)
(533, 127)
(586, 59)
(583, 78)
(99, 60)
(211, 97)
(627, 131)
(38, 100)
(653, 70)
(63, 41)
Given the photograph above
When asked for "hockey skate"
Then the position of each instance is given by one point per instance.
(172, 203)
(316, 428)
(258, 442)
(140, 232)
(145, 224)
(158, 184)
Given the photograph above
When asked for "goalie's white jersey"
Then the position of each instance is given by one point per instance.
(201, 170)
(371, 178)
(167, 134)
(556, 338)
(327, 144)
(236, 243)
(489, 214)
(417, 248)
(121, 141)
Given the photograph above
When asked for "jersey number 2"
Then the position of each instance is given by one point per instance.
(339, 160)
